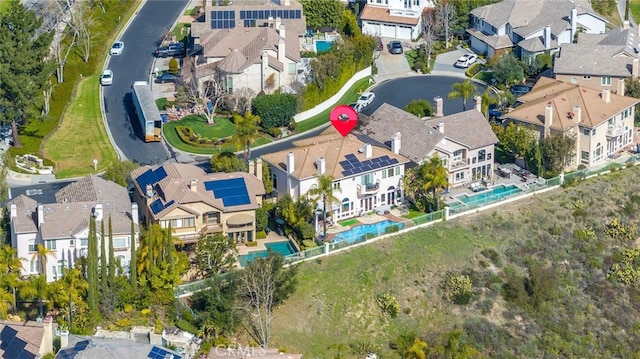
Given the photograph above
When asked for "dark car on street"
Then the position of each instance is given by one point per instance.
(519, 90)
(166, 77)
(173, 50)
(395, 47)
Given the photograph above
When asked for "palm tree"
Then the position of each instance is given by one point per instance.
(462, 90)
(487, 100)
(41, 255)
(246, 132)
(7, 301)
(435, 177)
(324, 192)
(208, 330)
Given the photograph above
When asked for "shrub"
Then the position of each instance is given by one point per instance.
(186, 326)
(419, 107)
(473, 70)
(392, 229)
(388, 304)
(493, 256)
(306, 231)
(418, 65)
(458, 289)
(274, 132)
(252, 243)
(275, 110)
(173, 66)
(158, 327)
(127, 308)
(261, 235)
(145, 311)
(307, 243)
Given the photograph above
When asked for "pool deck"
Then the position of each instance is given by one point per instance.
(272, 237)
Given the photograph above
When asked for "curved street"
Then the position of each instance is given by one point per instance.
(142, 36)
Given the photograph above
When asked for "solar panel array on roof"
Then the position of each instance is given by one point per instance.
(157, 205)
(70, 353)
(352, 165)
(151, 177)
(159, 353)
(233, 192)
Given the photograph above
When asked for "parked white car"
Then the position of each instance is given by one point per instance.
(366, 99)
(106, 78)
(117, 48)
(466, 60)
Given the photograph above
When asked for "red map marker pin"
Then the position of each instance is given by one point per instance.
(344, 119)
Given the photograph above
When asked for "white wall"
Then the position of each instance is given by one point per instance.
(591, 24)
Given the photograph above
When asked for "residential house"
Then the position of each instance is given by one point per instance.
(365, 177)
(245, 45)
(600, 61)
(62, 226)
(601, 121)
(531, 27)
(464, 141)
(398, 19)
(28, 340)
(195, 203)
(86, 347)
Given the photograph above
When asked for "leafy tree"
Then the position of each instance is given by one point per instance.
(324, 70)
(324, 192)
(262, 219)
(133, 269)
(92, 265)
(294, 212)
(246, 131)
(267, 181)
(120, 172)
(227, 162)
(275, 110)
(517, 139)
(112, 257)
(322, 13)
(557, 151)
(487, 100)
(420, 108)
(103, 258)
(215, 254)
(462, 90)
(264, 284)
(24, 68)
(216, 306)
(508, 70)
(349, 24)
(425, 182)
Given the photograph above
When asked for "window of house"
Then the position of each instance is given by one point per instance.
(61, 264)
(457, 156)
(626, 113)
(33, 265)
(366, 179)
(584, 157)
(211, 218)
(597, 154)
(473, 160)
(292, 68)
(459, 176)
(586, 131)
(489, 156)
(397, 170)
(482, 154)
(50, 244)
(336, 186)
(345, 205)
(120, 242)
(33, 247)
(605, 81)
(84, 242)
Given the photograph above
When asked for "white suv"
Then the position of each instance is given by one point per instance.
(366, 99)
(106, 78)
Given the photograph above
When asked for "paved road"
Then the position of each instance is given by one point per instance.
(141, 39)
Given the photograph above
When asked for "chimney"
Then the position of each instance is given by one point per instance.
(64, 339)
(577, 113)
(270, 21)
(259, 169)
(135, 215)
(40, 215)
(278, 22)
(441, 127)
(97, 212)
(193, 185)
(252, 167)
(368, 150)
(291, 166)
(625, 24)
(547, 37)
(573, 19)
(281, 31)
(287, 2)
(281, 48)
(149, 190)
(621, 88)
(321, 165)
(47, 337)
(395, 143)
(606, 95)
(478, 100)
(265, 67)
(14, 210)
(439, 110)
(548, 119)
(635, 67)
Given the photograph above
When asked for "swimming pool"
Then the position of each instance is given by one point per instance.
(356, 233)
(492, 195)
(323, 45)
(284, 248)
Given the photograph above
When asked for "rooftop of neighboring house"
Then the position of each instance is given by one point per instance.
(177, 184)
(80, 347)
(343, 157)
(608, 54)
(420, 137)
(527, 17)
(377, 13)
(74, 204)
(571, 105)
(23, 340)
(241, 353)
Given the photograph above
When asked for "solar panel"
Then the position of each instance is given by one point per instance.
(157, 205)
(393, 161)
(151, 177)
(233, 192)
(160, 353)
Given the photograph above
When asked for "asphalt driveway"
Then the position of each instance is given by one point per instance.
(391, 66)
(444, 62)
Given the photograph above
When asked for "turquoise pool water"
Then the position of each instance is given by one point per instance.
(323, 45)
(284, 248)
(356, 233)
(492, 195)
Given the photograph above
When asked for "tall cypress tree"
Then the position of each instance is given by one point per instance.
(170, 248)
(112, 257)
(133, 269)
(92, 266)
(103, 259)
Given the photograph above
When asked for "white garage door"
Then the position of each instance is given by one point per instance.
(404, 32)
(388, 30)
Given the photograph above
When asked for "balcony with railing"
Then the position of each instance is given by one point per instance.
(210, 228)
(459, 164)
(615, 131)
(369, 188)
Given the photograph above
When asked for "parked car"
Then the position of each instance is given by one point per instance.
(494, 112)
(166, 77)
(395, 47)
(106, 78)
(174, 50)
(519, 90)
(116, 48)
(365, 99)
(466, 60)
(356, 107)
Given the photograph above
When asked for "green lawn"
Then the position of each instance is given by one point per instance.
(484, 76)
(634, 9)
(350, 96)
(348, 222)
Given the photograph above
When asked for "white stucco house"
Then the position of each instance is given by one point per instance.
(63, 225)
(531, 27)
(365, 177)
(398, 19)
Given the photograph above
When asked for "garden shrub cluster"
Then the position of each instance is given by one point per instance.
(261, 235)
(389, 304)
(275, 110)
(187, 135)
(473, 70)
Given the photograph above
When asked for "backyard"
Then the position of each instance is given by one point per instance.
(335, 303)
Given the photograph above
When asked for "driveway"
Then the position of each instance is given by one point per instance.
(444, 63)
(391, 66)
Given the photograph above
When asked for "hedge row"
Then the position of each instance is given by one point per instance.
(473, 70)
(187, 136)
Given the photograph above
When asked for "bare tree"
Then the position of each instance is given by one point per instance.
(445, 13)
(429, 28)
(100, 4)
(81, 24)
(201, 93)
(46, 93)
(240, 100)
(55, 12)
